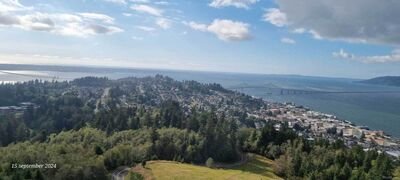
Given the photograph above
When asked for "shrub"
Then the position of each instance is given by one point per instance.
(135, 176)
(210, 162)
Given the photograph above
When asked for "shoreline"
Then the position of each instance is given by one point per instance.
(328, 114)
(314, 124)
(348, 122)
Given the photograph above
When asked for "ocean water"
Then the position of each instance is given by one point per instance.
(380, 111)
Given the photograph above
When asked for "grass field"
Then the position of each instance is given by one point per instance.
(256, 168)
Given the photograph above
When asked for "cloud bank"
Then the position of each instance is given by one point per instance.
(235, 3)
(147, 9)
(393, 57)
(15, 15)
(361, 21)
(288, 41)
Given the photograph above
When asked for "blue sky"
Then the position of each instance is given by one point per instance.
(358, 39)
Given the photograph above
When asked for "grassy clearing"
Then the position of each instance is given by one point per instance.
(255, 169)
(134, 176)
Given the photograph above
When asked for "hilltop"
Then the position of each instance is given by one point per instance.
(256, 168)
(89, 127)
(385, 80)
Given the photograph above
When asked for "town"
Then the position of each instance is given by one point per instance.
(312, 124)
(232, 104)
(181, 121)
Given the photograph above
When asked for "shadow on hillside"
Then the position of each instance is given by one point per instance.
(258, 165)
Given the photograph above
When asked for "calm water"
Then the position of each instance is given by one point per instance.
(377, 111)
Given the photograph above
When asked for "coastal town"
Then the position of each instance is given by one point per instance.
(199, 90)
(306, 122)
(128, 121)
(312, 125)
(243, 108)
(233, 104)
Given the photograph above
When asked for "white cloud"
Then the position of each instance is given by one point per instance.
(139, 1)
(393, 57)
(79, 25)
(161, 3)
(67, 17)
(226, 30)
(102, 29)
(85, 30)
(147, 9)
(137, 38)
(356, 21)
(96, 16)
(15, 15)
(37, 21)
(196, 26)
(127, 14)
(343, 55)
(229, 30)
(53, 59)
(288, 41)
(146, 28)
(236, 3)
(117, 1)
(12, 5)
(59, 59)
(275, 17)
(299, 30)
(7, 20)
(163, 23)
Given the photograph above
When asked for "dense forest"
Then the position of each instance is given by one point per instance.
(86, 129)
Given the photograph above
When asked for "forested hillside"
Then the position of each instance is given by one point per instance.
(88, 127)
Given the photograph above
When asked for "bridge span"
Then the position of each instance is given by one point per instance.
(288, 91)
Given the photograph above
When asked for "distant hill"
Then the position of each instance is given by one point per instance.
(385, 80)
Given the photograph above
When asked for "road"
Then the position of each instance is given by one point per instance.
(120, 173)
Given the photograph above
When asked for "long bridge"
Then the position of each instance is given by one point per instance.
(288, 91)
